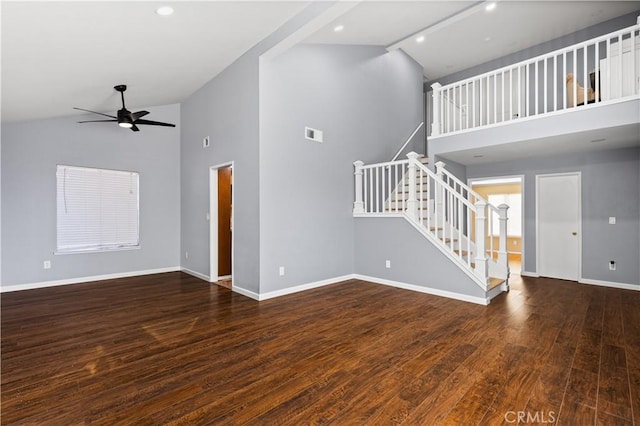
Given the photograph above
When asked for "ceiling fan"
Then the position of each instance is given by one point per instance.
(126, 118)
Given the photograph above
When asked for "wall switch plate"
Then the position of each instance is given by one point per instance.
(281, 271)
(387, 264)
(206, 143)
(612, 220)
(46, 264)
(612, 265)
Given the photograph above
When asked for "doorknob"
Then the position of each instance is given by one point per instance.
(574, 233)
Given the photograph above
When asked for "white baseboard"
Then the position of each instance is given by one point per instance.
(195, 274)
(529, 274)
(303, 287)
(624, 286)
(79, 280)
(427, 290)
(245, 292)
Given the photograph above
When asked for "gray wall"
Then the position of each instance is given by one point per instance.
(610, 182)
(367, 101)
(227, 110)
(30, 153)
(414, 259)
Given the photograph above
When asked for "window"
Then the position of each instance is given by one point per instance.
(514, 224)
(97, 209)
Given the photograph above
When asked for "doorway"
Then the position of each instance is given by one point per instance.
(505, 190)
(558, 223)
(221, 224)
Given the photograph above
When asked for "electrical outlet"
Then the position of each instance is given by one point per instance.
(186, 254)
(387, 264)
(46, 264)
(281, 271)
(612, 265)
(612, 220)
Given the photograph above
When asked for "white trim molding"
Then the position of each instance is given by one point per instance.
(529, 274)
(245, 292)
(80, 280)
(428, 290)
(303, 287)
(613, 284)
(195, 274)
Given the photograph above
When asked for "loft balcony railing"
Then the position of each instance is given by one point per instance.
(605, 69)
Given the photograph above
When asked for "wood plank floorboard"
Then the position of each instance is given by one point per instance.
(172, 349)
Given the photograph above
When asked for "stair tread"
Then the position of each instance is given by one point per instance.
(494, 282)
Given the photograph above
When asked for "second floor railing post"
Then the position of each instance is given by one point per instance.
(481, 260)
(502, 245)
(435, 125)
(412, 201)
(358, 204)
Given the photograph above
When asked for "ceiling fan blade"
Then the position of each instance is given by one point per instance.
(154, 123)
(96, 121)
(137, 115)
(94, 112)
(134, 128)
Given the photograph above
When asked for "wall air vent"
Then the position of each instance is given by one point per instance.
(313, 134)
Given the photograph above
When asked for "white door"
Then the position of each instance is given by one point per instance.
(558, 223)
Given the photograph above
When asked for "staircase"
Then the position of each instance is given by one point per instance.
(447, 212)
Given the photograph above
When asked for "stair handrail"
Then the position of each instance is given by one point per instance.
(395, 157)
(499, 211)
(450, 176)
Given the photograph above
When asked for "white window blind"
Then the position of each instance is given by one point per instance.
(514, 224)
(97, 209)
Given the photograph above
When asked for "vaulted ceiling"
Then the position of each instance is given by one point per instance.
(56, 55)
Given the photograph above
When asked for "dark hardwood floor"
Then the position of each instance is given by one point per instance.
(171, 349)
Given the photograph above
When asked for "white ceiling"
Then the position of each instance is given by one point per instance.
(461, 34)
(57, 55)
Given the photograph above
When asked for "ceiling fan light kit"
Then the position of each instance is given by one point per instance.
(125, 118)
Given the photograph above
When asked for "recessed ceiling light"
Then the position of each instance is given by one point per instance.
(487, 39)
(338, 28)
(420, 39)
(164, 10)
(490, 6)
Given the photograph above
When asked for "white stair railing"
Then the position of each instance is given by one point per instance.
(602, 69)
(492, 217)
(456, 219)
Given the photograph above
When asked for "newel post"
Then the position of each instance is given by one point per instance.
(435, 125)
(412, 201)
(502, 246)
(439, 193)
(481, 260)
(358, 204)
